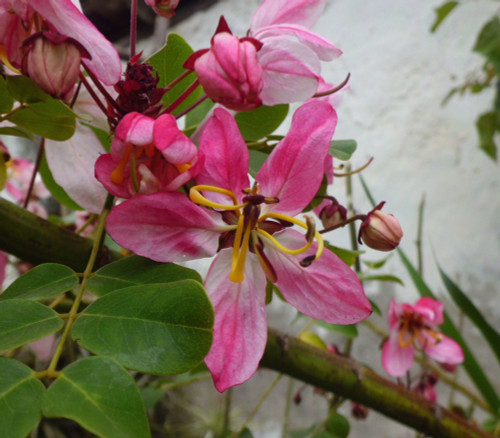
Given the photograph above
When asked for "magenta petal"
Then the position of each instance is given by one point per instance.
(291, 171)
(431, 309)
(396, 360)
(226, 156)
(68, 20)
(327, 289)
(169, 139)
(104, 166)
(240, 330)
(303, 12)
(446, 351)
(166, 227)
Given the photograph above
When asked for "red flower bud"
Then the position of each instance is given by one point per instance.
(380, 230)
(52, 61)
(333, 214)
(360, 412)
(164, 8)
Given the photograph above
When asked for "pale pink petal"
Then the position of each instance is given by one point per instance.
(72, 165)
(240, 330)
(327, 289)
(226, 156)
(323, 48)
(303, 12)
(396, 360)
(174, 145)
(431, 309)
(68, 20)
(136, 128)
(44, 348)
(166, 227)
(328, 169)
(290, 71)
(291, 171)
(447, 350)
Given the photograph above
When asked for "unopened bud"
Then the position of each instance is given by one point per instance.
(380, 231)
(360, 412)
(52, 61)
(164, 8)
(333, 214)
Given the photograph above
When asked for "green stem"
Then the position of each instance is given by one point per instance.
(348, 379)
(99, 238)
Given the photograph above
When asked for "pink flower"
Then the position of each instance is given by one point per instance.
(291, 53)
(229, 71)
(147, 155)
(17, 23)
(414, 327)
(248, 228)
(164, 8)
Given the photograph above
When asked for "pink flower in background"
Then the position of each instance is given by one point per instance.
(164, 8)
(147, 155)
(414, 327)
(291, 53)
(17, 23)
(248, 228)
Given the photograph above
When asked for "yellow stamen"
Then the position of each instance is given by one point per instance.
(240, 254)
(284, 217)
(5, 60)
(404, 331)
(198, 198)
(183, 167)
(117, 174)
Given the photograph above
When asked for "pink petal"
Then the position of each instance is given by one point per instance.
(72, 165)
(104, 166)
(240, 330)
(226, 156)
(290, 71)
(327, 289)
(431, 309)
(68, 20)
(169, 139)
(135, 128)
(3, 267)
(396, 360)
(303, 12)
(323, 48)
(166, 227)
(291, 171)
(181, 179)
(447, 350)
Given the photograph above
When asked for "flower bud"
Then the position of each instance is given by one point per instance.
(360, 412)
(52, 61)
(229, 71)
(164, 8)
(333, 214)
(380, 230)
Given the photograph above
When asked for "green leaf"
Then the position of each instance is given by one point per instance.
(20, 399)
(486, 125)
(24, 90)
(43, 281)
(101, 396)
(302, 433)
(151, 396)
(55, 189)
(134, 270)
(442, 12)
(376, 264)
(338, 425)
(348, 256)
(488, 42)
(17, 132)
(50, 119)
(154, 328)
(6, 99)
(169, 62)
(23, 321)
(260, 122)
(343, 149)
(472, 312)
(196, 116)
(375, 308)
(382, 277)
(257, 159)
(349, 331)
(474, 370)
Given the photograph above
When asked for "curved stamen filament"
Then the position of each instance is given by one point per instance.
(117, 174)
(404, 332)
(240, 254)
(198, 198)
(284, 217)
